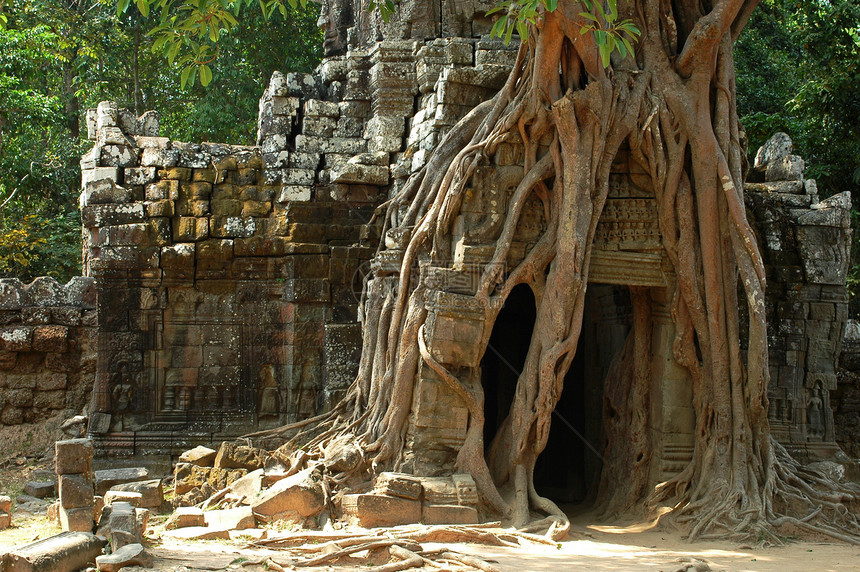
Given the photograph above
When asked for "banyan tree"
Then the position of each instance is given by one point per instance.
(569, 111)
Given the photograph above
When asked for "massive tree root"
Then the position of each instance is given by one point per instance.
(672, 105)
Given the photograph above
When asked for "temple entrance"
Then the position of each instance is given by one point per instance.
(505, 356)
(568, 470)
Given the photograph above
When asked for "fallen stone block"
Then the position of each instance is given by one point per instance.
(107, 478)
(124, 526)
(78, 519)
(238, 518)
(65, 552)
(293, 498)
(233, 456)
(74, 457)
(76, 491)
(5, 520)
(128, 555)
(200, 456)
(370, 510)
(151, 491)
(448, 514)
(132, 498)
(6, 504)
(40, 489)
(184, 517)
(247, 487)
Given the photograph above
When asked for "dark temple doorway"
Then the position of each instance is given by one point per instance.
(568, 470)
(505, 356)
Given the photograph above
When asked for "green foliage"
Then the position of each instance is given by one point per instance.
(610, 34)
(188, 33)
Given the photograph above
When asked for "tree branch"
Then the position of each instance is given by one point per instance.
(706, 34)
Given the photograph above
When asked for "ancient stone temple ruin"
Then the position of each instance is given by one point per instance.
(224, 283)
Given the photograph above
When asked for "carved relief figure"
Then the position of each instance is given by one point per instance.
(122, 389)
(269, 401)
(336, 16)
(815, 414)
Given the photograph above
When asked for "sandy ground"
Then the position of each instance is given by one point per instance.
(591, 547)
(595, 548)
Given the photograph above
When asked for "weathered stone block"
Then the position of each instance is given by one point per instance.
(371, 510)
(161, 190)
(233, 456)
(294, 193)
(175, 173)
(239, 518)
(128, 555)
(78, 519)
(139, 175)
(159, 208)
(185, 516)
(112, 214)
(98, 174)
(355, 173)
(107, 478)
(40, 489)
(51, 339)
(105, 191)
(200, 456)
(16, 339)
(227, 208)
(73, 456)
(293, 498)
(151, 491)
(232, 227)
(448, 514)
(186, 228)
(76, 491)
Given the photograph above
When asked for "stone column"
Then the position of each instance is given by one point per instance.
(74, 466)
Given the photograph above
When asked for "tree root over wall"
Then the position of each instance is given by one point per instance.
(672, 104)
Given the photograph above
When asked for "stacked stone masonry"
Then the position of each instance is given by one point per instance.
(805, 245)
(47, 348)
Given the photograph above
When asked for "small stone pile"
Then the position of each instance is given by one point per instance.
(248, 488)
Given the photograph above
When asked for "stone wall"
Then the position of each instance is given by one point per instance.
(229, 277)
(47, 348)
(227, 287)
(805, 245)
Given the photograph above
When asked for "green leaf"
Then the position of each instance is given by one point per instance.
(498, 28)
(523, 30)
(122, 6)
(186, 73)
(551, 5)
(205, 75)
(143, 7)
(508, 33)
(589, 16)
(604, 55)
